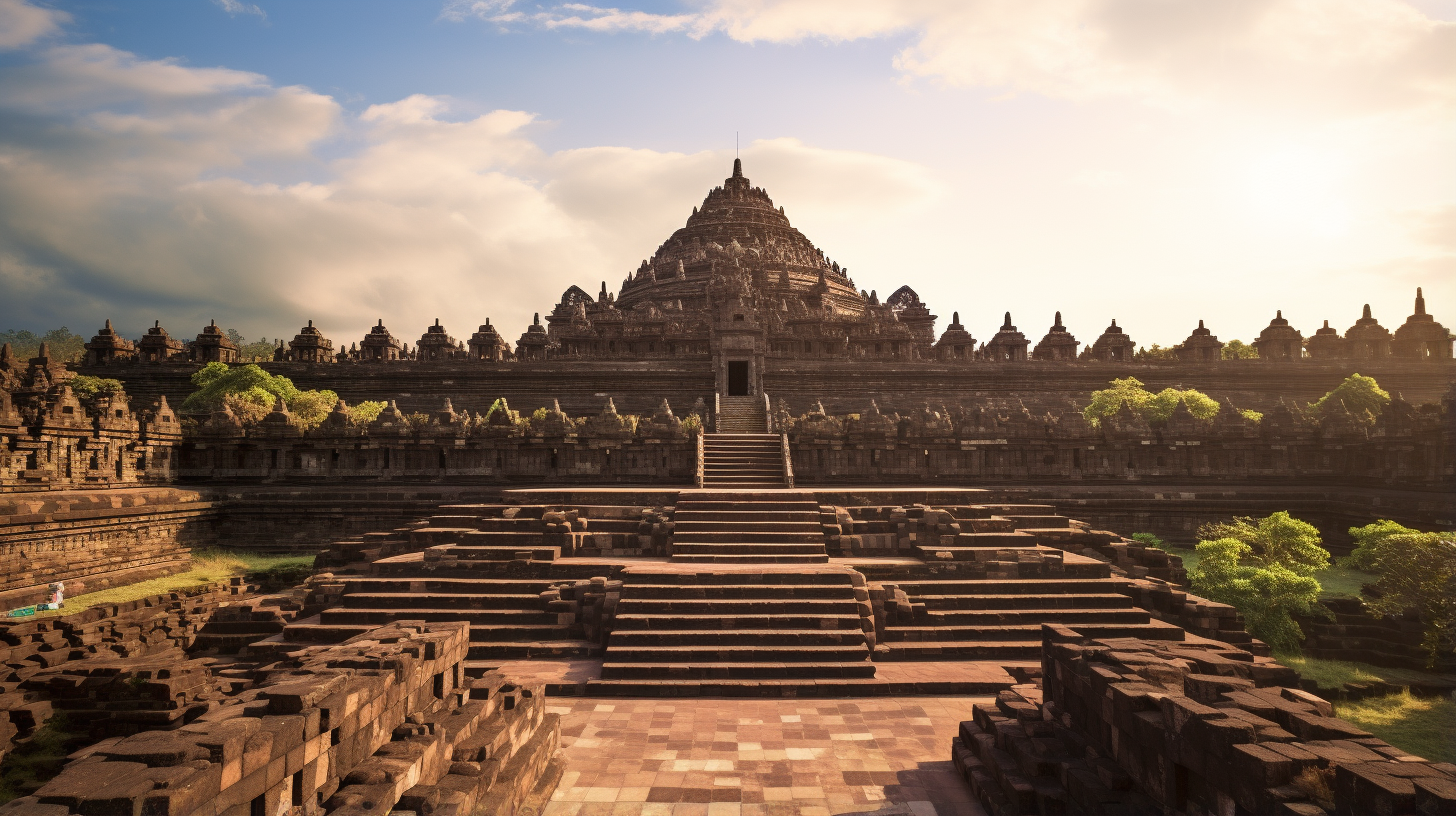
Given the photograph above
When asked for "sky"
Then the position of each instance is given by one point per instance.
(1155, 161)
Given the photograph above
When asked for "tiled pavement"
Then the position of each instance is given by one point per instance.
(721, 757)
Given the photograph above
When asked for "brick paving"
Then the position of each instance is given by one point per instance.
(720, 757)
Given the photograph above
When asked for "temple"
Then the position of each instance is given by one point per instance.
(737, 476)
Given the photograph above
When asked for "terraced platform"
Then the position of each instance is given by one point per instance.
(762, 592)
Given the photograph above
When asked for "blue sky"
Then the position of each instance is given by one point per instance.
(1156, 161)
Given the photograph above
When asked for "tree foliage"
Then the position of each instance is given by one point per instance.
(1238, 350)
(1275, 540)
(1266, 593)
(1361, 395)
(87, 389)
(1416, 572)
(64, 345)
(218, 384)
(1368, 541)
(1155, 352)
(1157, 407)
(1148, 540)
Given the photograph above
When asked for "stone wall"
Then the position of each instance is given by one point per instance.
(1181, 728)
(842, 385)
(385, 721)
(95, 539)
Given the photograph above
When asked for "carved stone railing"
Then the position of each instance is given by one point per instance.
(788, 460)
(768, 415)
(701, 466)
(717, 398)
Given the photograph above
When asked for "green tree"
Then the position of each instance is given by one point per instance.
(249, 389)
(1417, 572)
(62, 343)
(1363, 396)
(1278, 540)
(1266, 593)
(1238, 350)
(1157, 407)
(87, 389)
(1368, 541)
(1156, 352)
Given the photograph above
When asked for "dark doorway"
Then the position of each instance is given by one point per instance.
(737, 378)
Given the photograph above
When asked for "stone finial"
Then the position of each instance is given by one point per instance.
(1007, 324)
(310, 324)
(536, 319)
(955, 317)
(212, 323)
(1420, 302)
(381, 322)
(156, 324)
(1365, 314)
(737, 168)
(1058, 323)
(5, 353)
(1200, 324)
(108, 324)
(45, 350)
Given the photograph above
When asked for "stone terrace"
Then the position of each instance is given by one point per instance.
(780, 593)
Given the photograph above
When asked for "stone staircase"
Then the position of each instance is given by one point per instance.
(742, 461)
(745, 527)
(738, 631)
(741, 415)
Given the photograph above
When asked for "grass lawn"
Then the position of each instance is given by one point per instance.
(1336, 673)
(1424, 726)
(208, 566)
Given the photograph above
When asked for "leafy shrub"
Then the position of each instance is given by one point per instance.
(1152, 407)
(1148, 540)
(1361, 395)
(1415, 571)
(251, 389)
(1238, 350)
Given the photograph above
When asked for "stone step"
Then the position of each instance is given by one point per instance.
(748, 548)
(1035, 617)
(495, 617)
(953, 650)
(1152, 630)
(997, 540)
(426, 600)
(681, 592)
(736, 621)
(813, 537)
(1026, 601)
(743, 653)
(741, 638)
(498, 553)
(771, 687)
(695, 577)
(739, 606)
(533, 650)
(738, 558)
(1018, 586)
(304, 632)
(750, 512)
(444, 585)
(746, 484)
(735, 671)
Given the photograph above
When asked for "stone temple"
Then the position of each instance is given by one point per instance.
(737, 538)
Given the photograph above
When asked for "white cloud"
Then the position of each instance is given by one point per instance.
(236, 7)
(136, 189)
(22, 24)
(1320, 55)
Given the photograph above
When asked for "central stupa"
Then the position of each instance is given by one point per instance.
(739, 221)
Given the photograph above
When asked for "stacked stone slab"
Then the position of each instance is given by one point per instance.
(380, 722)
(747, 527)
(1136, 726)
(739, 631)
(742, 461)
